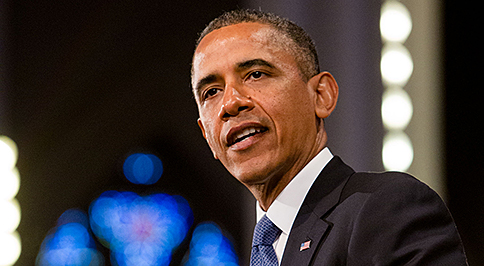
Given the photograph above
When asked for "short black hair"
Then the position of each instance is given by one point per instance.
(303, 48)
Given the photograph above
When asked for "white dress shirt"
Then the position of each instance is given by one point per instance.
(285, 207)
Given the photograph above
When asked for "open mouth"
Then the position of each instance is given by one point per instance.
(244, 134)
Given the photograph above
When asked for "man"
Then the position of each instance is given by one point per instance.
(262, 102)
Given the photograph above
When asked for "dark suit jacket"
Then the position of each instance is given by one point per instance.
(372, 219)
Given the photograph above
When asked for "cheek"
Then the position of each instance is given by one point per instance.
(210, 132)
(293, 103)
(293, 115)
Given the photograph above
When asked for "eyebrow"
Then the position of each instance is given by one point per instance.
(251, 63)
(204, 81)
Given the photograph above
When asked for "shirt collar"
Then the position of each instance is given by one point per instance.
(285, 207)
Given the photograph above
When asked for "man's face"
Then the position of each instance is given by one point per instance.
(256, 111)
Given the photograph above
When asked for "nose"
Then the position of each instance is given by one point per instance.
(234, 102)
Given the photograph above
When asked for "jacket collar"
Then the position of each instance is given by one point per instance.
(309, 226)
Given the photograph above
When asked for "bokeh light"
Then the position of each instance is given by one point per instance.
(73, 216)
(10, 245)
(8, 153)
(140, 230)
(395, 22)
(396, 108)
(396, 67)
(209, 246)
(396, 64)
(9, 209)
(70, 243)
(397, 151)
(10, 248)
(9, 183)
(141, 168)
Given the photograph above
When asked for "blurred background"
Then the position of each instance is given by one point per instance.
(86, 84)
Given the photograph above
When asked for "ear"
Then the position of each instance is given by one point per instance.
(200, 125)
(326, 90)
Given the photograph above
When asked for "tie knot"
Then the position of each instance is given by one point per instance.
(265, 232)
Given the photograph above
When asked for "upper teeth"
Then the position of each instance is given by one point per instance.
(246, 132)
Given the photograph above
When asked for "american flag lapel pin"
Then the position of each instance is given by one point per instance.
(305, 245)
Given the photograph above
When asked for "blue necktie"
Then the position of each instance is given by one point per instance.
(263, 253)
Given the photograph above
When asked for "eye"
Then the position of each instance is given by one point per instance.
(256, 75)
(209, 93)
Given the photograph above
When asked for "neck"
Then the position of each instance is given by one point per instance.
(266, 193)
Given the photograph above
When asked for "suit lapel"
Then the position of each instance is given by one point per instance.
(310, 226)
(312, 230)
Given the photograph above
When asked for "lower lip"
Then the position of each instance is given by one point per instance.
(248, 142)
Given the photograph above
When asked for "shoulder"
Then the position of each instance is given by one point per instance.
(406, 221)
(390, 194)
(396, 201)
(393, 184)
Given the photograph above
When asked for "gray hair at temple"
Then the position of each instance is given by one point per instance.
(302, 46)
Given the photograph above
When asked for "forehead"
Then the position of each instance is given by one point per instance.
(242, 41)
(250, 31)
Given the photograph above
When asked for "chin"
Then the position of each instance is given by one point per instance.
(251, 176)
(254, 169)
